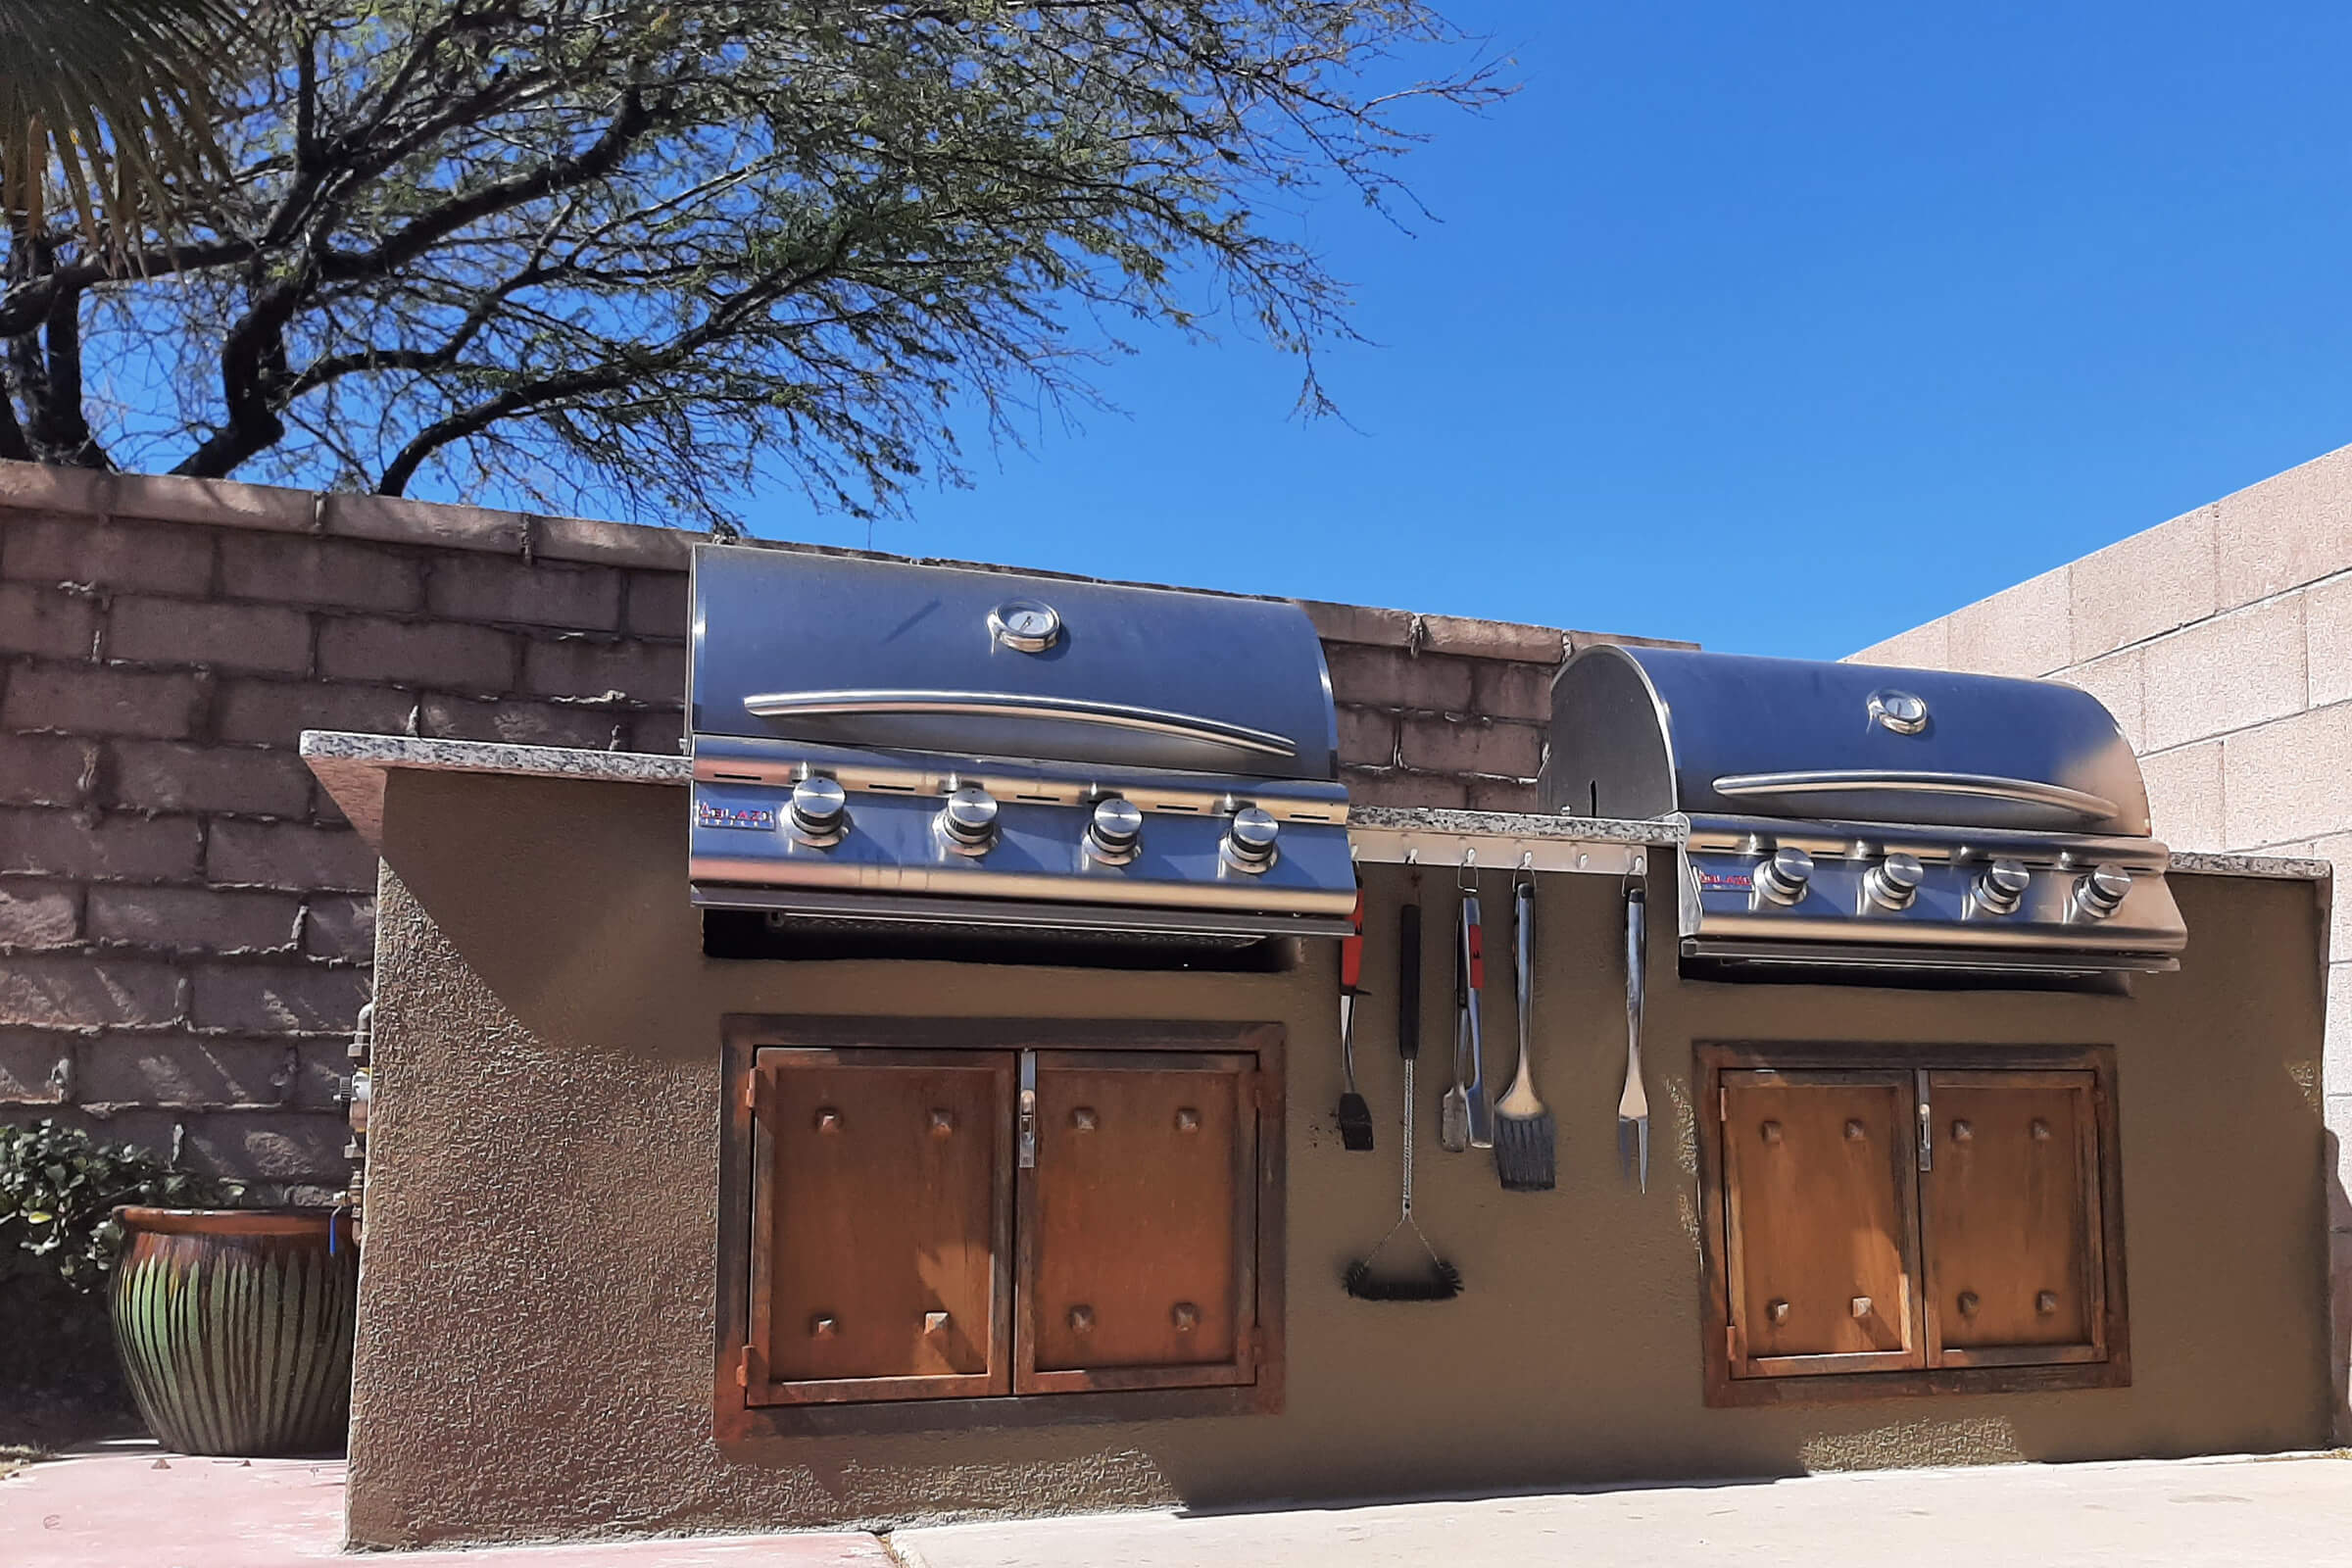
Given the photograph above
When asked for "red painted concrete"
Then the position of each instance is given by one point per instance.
(127, 1504)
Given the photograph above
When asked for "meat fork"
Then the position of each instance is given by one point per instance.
(1632, 1106)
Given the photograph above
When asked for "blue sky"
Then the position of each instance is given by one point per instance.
(1783, 329)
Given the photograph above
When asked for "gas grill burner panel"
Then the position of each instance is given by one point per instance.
(884, 741)
(1854, 821)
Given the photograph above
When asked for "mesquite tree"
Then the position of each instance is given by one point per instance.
(632, 252)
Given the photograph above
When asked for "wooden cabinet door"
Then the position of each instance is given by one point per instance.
(1819, 1195)
(1137, 1223)
(881, 1225)
(2011, 1223)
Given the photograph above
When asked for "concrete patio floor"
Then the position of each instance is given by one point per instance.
(114, 1507)
(117, 1508)
(2190, 1513)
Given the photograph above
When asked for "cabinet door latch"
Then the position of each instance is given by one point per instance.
(1028, 1115)
(1927, 1124)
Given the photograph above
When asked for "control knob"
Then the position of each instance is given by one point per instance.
(1116, 835)
(968, 821)
(2001, 887)
(1250, 842)
(1782, 875)
(818, 813)
(2099, 893)
(1894, 881)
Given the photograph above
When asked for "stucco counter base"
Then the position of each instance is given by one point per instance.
(538, 1316)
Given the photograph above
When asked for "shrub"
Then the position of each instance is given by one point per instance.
(58, 1241)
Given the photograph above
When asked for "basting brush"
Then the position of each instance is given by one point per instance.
(1526, 1153)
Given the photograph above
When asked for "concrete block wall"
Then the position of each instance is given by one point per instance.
(2222, 642)
(186, 923)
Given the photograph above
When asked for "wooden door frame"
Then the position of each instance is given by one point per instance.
(756, 1429)
(1711, 1058)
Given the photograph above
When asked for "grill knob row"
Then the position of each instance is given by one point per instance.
(818, 815)
(1893, 884)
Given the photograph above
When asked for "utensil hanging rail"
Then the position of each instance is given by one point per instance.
(1597, 846)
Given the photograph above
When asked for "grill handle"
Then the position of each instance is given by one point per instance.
(1005, 705)
(1968, 786)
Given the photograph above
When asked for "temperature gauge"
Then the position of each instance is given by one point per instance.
(1026, 626)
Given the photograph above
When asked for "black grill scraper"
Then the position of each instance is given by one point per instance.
(1444, 1280)
(1356, 1116)
(1526, 1155)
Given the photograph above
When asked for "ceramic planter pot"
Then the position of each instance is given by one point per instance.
(234, 1327)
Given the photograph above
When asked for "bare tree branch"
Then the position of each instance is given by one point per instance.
(646, 256)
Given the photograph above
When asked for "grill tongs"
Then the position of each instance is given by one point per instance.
(1467, 1114)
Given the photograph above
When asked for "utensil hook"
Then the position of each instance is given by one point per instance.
(1466, 876)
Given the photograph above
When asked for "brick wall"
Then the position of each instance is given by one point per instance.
(186, 920)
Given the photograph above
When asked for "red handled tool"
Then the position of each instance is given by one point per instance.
(1356, 1116)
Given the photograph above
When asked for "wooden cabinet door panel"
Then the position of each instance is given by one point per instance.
(2011, 1225)
(1819, 1198)
(1137, 1223)
(881, 1219)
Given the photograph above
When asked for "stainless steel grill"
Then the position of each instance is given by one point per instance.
(890, 742)
(1848, 816)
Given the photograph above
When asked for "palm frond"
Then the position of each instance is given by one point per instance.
(114, 101)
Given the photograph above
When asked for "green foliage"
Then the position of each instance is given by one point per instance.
(647, 254)
(112, 102)
(59, 1188)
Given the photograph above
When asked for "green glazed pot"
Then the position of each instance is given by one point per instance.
(234, 1327)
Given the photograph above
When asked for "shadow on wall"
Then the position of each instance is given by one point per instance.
(2340, 1280)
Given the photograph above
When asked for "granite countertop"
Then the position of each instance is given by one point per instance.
(352, 767)
(2223, 863)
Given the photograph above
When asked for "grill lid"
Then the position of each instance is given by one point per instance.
(956, 663)
(1851, 821)
(1648, 731)
(880, 741)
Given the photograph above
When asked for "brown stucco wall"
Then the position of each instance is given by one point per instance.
(537, 1323)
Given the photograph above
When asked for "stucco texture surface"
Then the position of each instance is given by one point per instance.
(537, 1324)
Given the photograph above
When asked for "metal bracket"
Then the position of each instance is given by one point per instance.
(1523, 853)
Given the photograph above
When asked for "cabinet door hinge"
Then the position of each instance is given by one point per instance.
(1723, 1107)
(1731, 1342)
(748, 1371)
(751, 1093)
